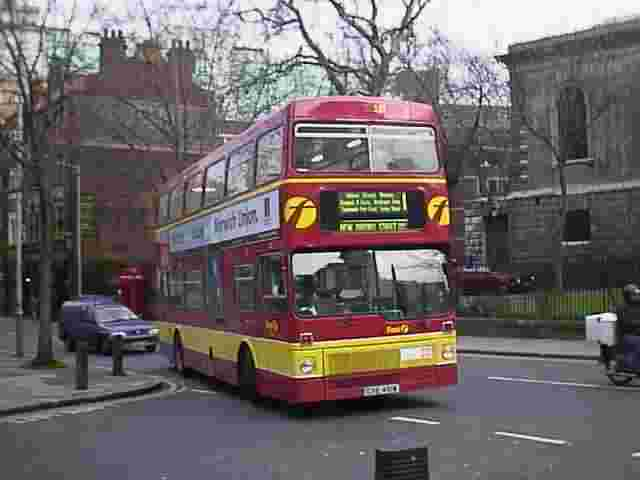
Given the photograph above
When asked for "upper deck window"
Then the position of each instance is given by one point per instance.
(177, 203)
(163, 211)
(214, 186)
(365, 148)
(241, 171)
(193, 193)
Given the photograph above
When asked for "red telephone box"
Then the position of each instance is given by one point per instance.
(131, 282)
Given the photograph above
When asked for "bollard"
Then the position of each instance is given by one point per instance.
(408, 464)
(116, 354)
(82, 365)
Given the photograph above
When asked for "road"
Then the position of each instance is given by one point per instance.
(508, 419)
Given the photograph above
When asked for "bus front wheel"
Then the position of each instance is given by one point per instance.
(247, 376)
(178, 356)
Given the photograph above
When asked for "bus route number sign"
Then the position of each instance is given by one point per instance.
(372, 211)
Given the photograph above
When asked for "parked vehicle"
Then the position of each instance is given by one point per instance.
(99, 320)
(523, 283)
(484, 281)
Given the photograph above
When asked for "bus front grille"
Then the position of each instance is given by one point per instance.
(341, 363)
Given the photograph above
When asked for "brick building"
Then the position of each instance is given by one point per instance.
(136, 121)
(580, 92)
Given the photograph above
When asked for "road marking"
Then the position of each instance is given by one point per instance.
(636, 455)
(564, 384)
(530, 437)
(415, 420)
(203, 391)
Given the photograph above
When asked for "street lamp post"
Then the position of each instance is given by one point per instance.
(77, 232)
(19, 311)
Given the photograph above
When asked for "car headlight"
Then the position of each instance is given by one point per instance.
(154, 331)
(118, 334)
(307, 365)
(448, 352)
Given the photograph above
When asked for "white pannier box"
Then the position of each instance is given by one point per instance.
(601, 328)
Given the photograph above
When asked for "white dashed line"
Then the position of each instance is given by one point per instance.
(415, 420)
(563, 384)
(530, 437)
(203, 391)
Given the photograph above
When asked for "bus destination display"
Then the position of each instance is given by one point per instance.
(372, 211)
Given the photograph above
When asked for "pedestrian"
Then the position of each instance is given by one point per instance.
(628, 328)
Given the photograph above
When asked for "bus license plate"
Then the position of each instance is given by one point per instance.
(381, 390)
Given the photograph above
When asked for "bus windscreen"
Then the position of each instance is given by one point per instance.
(398, 284)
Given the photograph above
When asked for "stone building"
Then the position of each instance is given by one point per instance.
(579, 98)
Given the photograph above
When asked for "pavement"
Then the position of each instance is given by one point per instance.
(529, 347)
(25, 389)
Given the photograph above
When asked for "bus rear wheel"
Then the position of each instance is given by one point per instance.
(247, 376)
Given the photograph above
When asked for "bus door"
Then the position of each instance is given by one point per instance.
(215, 303)
(272, 296)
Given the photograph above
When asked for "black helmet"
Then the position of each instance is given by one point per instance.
(631, 293)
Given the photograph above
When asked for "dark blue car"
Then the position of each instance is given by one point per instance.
(98, 320)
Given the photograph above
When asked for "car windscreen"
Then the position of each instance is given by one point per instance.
(106, 315)
(358, 147)
(399, 284)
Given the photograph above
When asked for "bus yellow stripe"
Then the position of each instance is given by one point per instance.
(334, 357)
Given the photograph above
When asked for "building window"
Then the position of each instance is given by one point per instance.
(572, 124)
(244, 280)
(269, 156)
(496, 185)
(214, 186)
(241, 174)
(577, 227)
(470, 186)
(193, 194)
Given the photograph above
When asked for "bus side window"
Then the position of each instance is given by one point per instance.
(244, 284)
(214, 287)
(241, 170)
(163, 209)
(176, 288)
(272, 292)
(269, 156)
(177, 203)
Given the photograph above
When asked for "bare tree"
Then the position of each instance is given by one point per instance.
(363, 56)
(39, 105)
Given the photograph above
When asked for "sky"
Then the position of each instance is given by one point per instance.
(492, 25)
(488, 26)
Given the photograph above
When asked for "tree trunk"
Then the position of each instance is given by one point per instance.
(45, 345)
(560, 256)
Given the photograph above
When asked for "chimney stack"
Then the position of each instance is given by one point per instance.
(112, 49)
(182, 58)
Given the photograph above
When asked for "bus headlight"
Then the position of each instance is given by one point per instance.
(307, 365)
(448, 352)
(154, 331)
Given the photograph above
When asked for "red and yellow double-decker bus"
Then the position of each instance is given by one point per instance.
(307, 259)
